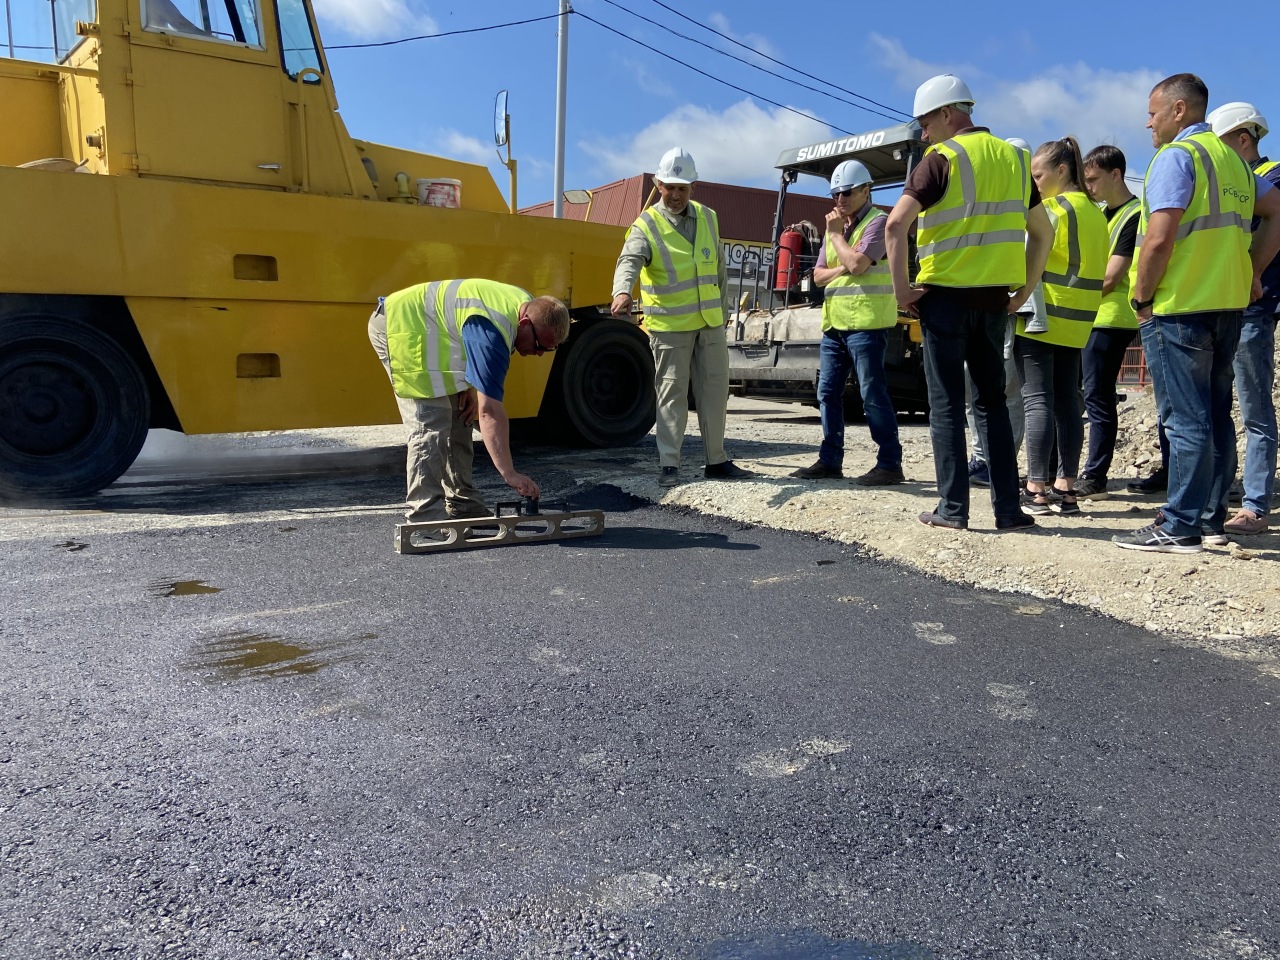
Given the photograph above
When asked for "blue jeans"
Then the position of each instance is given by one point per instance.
(863, 352)
(1189, 356)
(1255, 376)
(956, 334)
(1100, 363)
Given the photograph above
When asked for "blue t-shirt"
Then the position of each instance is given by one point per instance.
(1171, 179)
(488, 356)
(1271, 275)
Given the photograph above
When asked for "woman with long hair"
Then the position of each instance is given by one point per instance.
(1047, 349)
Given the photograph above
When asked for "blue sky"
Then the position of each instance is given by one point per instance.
(1032, 78)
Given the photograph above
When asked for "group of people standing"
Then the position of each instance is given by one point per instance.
(1035, 271)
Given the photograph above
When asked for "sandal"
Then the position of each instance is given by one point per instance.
(1066, 501)
(1035, 504)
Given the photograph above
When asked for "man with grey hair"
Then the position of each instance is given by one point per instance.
(673, 248)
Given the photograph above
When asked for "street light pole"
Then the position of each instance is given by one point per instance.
(562, 82)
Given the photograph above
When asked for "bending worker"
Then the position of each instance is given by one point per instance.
(674, 249)
(447, 345)
(857, 312)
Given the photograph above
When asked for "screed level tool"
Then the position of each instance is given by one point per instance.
(517, 521)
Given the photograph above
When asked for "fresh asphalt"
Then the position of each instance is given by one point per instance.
(685, 738)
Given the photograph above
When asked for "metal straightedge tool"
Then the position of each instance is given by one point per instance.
(517, 521)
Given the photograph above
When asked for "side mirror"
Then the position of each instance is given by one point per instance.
(501, 121)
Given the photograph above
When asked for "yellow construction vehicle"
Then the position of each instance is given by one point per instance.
(192, 240)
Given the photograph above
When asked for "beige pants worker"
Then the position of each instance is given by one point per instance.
(440, 453)
(697, 357)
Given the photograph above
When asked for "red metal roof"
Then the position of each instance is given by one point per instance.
(745, 213)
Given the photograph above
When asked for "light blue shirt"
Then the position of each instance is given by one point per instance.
(1171, 178)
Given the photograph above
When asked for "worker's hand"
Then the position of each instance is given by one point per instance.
(1019, 297)
(523, 485)
(1145, 314)
(467, 406)
(621, 305)
(908, 301)
(1255, 289)
(835, 222)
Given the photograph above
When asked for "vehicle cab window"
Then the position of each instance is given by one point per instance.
(231, 21)
(298, 41)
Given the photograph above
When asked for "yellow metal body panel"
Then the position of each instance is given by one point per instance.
(251, 286)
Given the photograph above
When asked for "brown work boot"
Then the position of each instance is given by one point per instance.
(879, 477)
(1245, 523)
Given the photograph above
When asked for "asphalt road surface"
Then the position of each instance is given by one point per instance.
(236, 725)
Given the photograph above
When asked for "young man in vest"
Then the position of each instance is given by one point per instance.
(1194, 274)
(857, 312)
(446, 346)
(1116, 326)
(976, 268)
(1240, 127)
(673, 248)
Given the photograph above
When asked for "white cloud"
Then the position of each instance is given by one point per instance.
(376, 19)
(738, 145)
(1094, 105)
(459, 146)
(755, 41)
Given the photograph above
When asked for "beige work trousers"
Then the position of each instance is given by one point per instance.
(440, 453)
(681, 358)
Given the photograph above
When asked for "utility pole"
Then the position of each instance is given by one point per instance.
(562, 83)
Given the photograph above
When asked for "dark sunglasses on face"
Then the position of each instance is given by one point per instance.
(844, 193)
(536, 344)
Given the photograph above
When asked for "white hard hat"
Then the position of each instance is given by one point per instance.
(941, 91)
(676, 166)
(849, 174)
(1233, 116)
(1019, 143)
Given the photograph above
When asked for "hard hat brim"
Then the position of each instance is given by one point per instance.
(674, 181)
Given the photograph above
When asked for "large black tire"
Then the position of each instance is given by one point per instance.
(74, 408)
(604, 384)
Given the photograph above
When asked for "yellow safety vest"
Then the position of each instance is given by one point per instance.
(864, 302)
(1209, 269)
(1264, 168)
(424, 331)
(975, 236)
(1073, 274)
(1116, 310)
(680, 285)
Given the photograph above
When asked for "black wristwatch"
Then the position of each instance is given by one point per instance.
(1141, 304)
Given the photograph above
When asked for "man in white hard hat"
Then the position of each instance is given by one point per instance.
(979, 472)
(673, 248)
(982, 244)
(1240, 126)
(857, 312)
(1195, 272)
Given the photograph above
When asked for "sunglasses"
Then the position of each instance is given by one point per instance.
(537, 345)
(844, 193)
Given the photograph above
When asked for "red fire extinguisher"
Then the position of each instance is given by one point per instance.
(789, 269)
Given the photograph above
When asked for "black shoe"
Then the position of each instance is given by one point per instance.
(1021, 522)
(947, 523)
(819, 471)
(668, 476)
(1154, 540)
(1035, 504)
(878, 477)
(1088, 488)
(1064, 502)
(979, 473)
(1158, 482)
(725, 471)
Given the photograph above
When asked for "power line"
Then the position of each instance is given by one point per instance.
(433, 36)
(733, 86)
(754, 66)
(780, 63)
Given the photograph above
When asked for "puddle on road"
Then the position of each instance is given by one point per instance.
(242, 655)
(181, 588)
(72, 546)
(809, 946)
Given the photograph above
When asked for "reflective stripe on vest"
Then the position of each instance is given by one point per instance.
(680, 285)
(975, 236)
(1264, 168)
(424, 331)
(1209, 268)
(1115, 310)
(1075, 269)
(862, 302)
